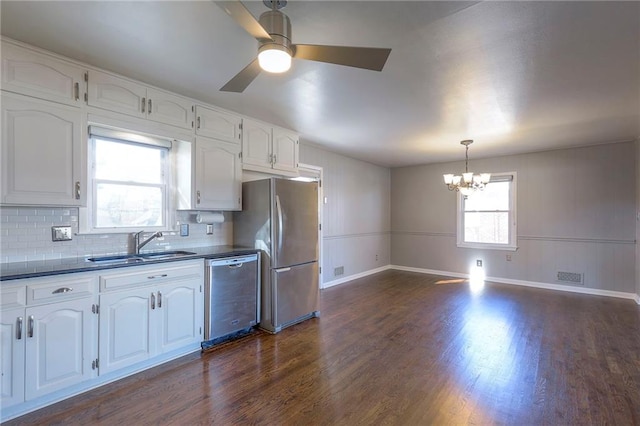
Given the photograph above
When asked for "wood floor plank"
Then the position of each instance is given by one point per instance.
(399, 348)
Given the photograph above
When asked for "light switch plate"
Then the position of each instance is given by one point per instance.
(209, 229)
(184, 230)
(60, 233)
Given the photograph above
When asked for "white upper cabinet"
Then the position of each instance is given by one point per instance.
(42, 153)
(285, 150)
(38, 75)
(217, 125)
(269, 149)
(218, 175)
(127, 97)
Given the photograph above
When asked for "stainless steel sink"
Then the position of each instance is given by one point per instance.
(164, 255)
(138, 258)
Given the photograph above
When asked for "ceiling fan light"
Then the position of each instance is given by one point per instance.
(274, 58)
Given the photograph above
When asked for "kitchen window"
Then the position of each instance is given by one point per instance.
(128, 182)
(487, 218)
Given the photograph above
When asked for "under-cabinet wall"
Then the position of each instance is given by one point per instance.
(576, 212)
(25, 235)
(356, 216)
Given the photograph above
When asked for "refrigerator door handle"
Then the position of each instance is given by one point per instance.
(282, 270)
(279, 212)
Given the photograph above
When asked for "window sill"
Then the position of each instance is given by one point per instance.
(484, 246)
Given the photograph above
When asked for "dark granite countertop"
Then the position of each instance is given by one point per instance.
(18, 270)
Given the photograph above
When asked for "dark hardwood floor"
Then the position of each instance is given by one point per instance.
(399, 348)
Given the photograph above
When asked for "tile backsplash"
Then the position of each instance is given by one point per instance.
(25, 235)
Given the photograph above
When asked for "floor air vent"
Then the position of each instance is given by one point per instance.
(570, 277)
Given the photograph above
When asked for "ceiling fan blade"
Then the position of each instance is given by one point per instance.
(370, 58)
(244, 18)
(243, 78)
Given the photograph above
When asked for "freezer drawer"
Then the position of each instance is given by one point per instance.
(232, 296)
(295, 294)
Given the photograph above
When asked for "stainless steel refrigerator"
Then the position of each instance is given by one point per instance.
(280, 217)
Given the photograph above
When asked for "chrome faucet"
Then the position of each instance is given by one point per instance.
(137, 245)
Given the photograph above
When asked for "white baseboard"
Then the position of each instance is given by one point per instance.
(534, 284)
(558, 287)
(355, 276)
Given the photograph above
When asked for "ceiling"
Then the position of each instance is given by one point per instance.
(514, 76)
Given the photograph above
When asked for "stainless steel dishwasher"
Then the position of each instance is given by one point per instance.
(232, 295)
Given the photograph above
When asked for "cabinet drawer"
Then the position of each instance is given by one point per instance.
(58, 289)
(148, 275)
(12, 297)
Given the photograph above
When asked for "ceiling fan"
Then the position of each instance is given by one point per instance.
(275, 49)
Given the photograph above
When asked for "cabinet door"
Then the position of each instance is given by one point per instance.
(169, 109)
(59, 346)
(12, 338)
(218, 125)
(117, 94)
(180, 307)
(124, 329)
(285, 150)
(218, 175)
(42, 151)
(41, 76)
(256, 144)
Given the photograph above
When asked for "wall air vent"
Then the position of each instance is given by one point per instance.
(570, 277)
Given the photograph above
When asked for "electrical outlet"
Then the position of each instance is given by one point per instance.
(376, 257)
(184, 230)
(60, 233)
(209, 229)
(479, 263)
(508, 258)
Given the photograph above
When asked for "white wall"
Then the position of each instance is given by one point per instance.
(575, 213)
(356, 217)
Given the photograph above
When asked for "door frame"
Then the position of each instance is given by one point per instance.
(316, 173)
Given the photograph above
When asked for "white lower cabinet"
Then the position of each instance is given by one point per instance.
(12, 356)
(57, 340)
(47, 347)
(59, 346)
(149, 311)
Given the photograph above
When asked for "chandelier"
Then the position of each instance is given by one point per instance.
(468, 183)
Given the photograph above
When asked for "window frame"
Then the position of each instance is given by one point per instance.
(513, 237)
(87, 215)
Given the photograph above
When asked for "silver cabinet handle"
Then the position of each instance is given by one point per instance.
(236, 265)
(197, 197)
(198, 122)
(30, 330)
(151, 277)
(153, 301)
(282, 270)
(159, 299)
(144, 104)
(149, 109)
(270, 158)
(275, 159)
(77, 189)
(62, 290)
(19, 328)
(76, 88)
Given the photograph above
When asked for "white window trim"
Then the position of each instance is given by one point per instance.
(85, 219)
(513, 229)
